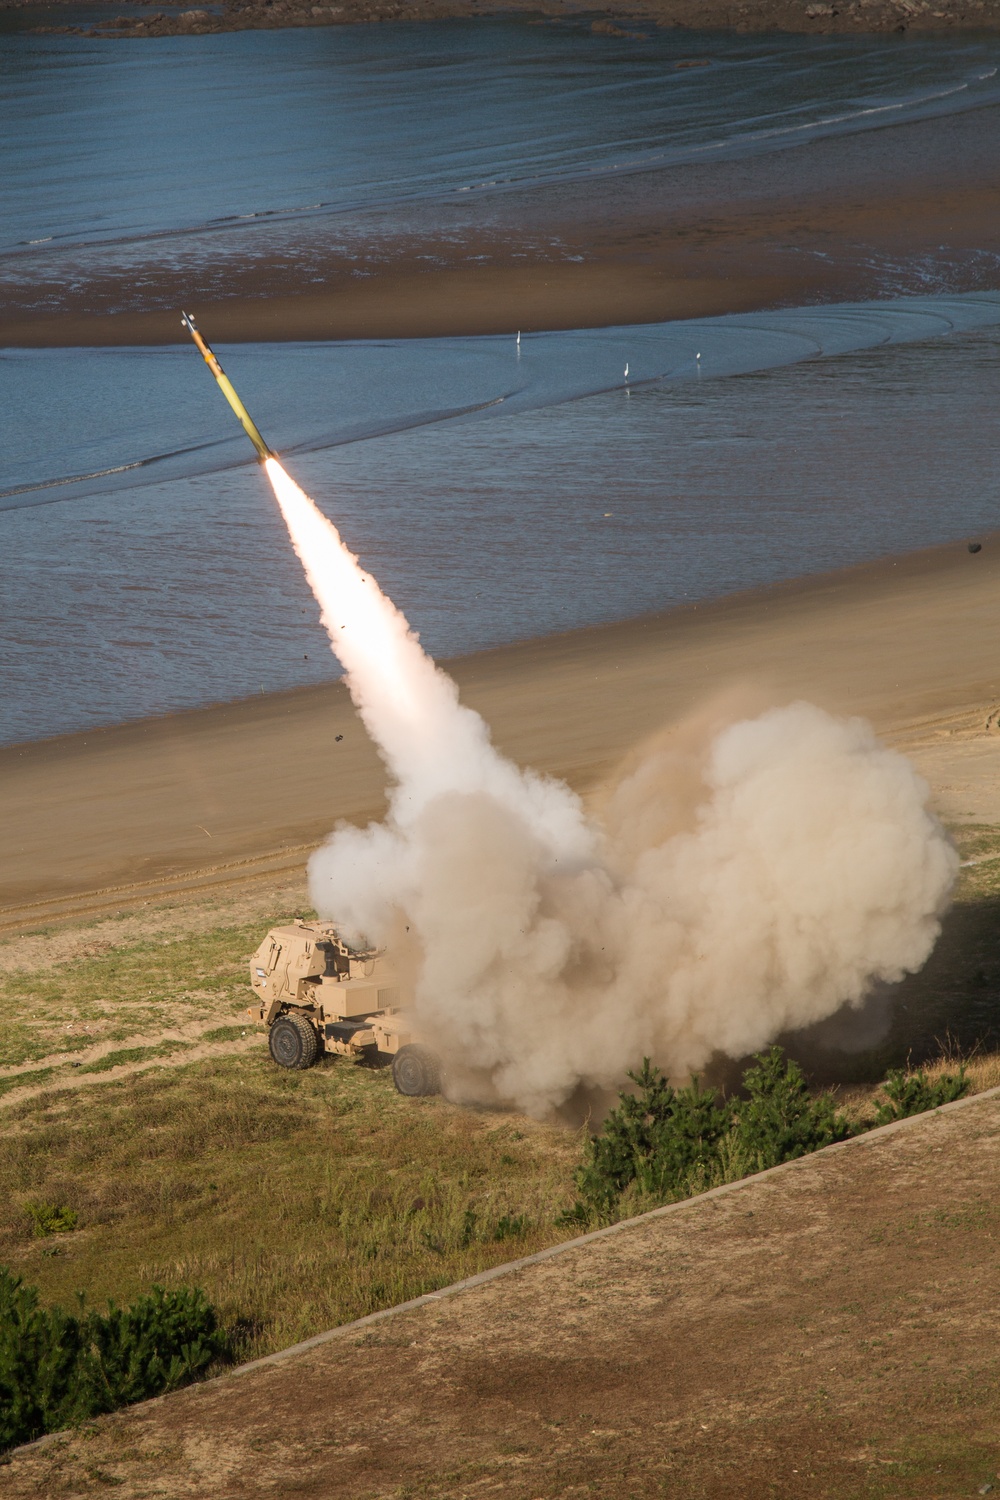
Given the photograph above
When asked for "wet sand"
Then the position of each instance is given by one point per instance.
(111, 818)
(845, 218)
(405, 303)
(643, 272)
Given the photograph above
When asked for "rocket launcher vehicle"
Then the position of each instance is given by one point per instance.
(226, 386)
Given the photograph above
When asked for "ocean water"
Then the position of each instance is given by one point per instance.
(498, 492)
(192, 150)
(127, 418)
(492, 527)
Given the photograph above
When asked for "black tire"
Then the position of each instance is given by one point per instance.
(292, 1042)
(416, 1072)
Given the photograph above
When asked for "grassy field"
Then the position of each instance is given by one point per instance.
(297, 1200)
(107, 992)
(826, 1331)
(135, 1091)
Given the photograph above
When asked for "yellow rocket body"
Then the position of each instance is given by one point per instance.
(226, 386)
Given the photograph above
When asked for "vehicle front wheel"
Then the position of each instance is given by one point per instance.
(416, 1071)
(292, 1042)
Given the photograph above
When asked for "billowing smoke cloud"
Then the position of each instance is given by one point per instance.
(737, 880)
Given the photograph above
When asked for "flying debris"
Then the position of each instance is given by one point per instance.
(225, 384)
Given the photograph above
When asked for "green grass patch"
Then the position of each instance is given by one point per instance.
(135, 1055)
(51, 1218)
(25, 1080)
(976, 840)
(228, 1033)
(134, 987)
(296, 1200)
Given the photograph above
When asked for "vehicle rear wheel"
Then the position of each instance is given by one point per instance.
(292, 1042)
(416, 1071)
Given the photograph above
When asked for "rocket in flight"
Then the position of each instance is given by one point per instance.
(226, 386)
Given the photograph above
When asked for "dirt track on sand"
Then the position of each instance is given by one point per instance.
(827, 1330)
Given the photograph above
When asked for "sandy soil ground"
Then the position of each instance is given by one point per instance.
(826, 1330)
(397, 302)
(114, 818)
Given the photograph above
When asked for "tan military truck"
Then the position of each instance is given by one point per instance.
(315, 994)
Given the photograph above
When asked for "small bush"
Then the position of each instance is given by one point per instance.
(59, 1368)
(511, 1227)
(661, 1143)
(912, 1093)
(779, 1119)
(164, 1340)
(50, 1218)
(654, 1140)
(39, 1354)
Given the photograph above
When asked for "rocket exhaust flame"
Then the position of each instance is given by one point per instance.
(746, 876)
(429, 741)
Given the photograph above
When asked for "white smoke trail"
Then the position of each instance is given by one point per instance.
(429, 741)
(774, 875)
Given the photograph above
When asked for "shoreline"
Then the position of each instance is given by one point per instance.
(905, 642)
(487, 663)
(838, 219)
(411, 305)
(613, 18)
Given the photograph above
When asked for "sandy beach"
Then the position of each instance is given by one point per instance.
(108, 819)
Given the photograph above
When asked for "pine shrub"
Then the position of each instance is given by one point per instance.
(655, 1139)
(59, 1368)
(912, 1093)
(661, 1143)
(779, 1119)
